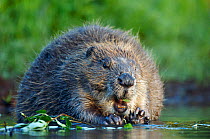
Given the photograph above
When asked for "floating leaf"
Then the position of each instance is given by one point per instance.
(128, 126)
(39, 125)
(78, 127)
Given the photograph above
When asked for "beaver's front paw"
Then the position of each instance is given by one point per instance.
(137, 117)
(113, 119)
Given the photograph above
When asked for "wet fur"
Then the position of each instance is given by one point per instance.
(68, 76)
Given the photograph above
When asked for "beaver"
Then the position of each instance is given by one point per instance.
(95, 74)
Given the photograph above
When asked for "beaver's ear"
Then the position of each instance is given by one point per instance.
(90, 51)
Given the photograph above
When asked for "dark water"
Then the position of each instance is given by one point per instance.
(175, 122)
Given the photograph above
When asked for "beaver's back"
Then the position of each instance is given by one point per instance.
(66, 47)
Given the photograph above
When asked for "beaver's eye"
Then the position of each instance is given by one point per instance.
(106, 62)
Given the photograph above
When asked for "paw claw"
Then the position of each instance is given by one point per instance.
(142, 113)
(137, 110)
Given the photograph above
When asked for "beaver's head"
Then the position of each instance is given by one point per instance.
(113, 75)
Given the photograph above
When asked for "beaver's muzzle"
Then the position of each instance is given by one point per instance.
(126, 80)
(120, 106)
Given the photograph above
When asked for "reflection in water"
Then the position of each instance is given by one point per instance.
(116, 134)
(98, 134)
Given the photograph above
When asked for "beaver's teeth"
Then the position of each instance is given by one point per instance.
(120, 107)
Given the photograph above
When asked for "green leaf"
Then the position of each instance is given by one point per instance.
(41, 111)
(31, 119)
(128, 126)
(126, 100)
(46, 118)
(78, 127)
(68, 122)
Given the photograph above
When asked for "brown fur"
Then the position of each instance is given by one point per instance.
(68, 76)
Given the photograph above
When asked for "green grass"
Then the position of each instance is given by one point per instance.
(177, 32)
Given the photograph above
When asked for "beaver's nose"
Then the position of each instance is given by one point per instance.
(126, 80)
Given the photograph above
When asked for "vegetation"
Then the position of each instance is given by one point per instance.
(41, 120)
(177, 32)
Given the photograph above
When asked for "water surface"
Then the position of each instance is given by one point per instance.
(175, 122)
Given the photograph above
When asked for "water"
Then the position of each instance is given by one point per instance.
(175, 122)
(185, 113)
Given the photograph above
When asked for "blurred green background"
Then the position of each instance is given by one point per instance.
(177, 31)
